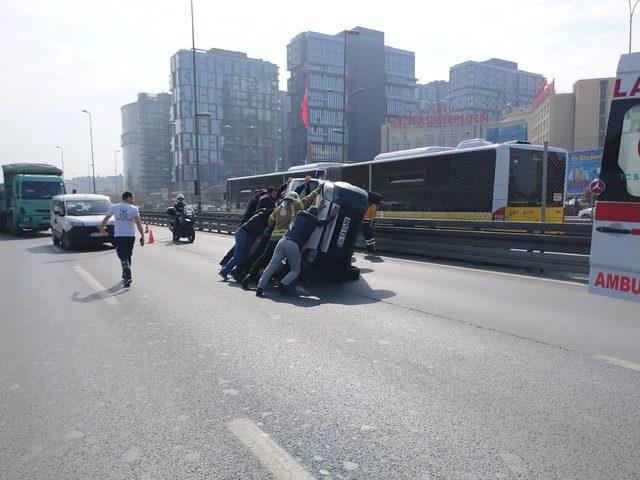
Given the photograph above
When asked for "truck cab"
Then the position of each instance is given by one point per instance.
(26, 196)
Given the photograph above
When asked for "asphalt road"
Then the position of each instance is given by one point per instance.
(416, 371)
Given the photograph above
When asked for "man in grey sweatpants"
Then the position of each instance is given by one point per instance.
(290, 245)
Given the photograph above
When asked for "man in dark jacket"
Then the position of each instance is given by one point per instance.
(263, 254)
(252, 206)
(268, 200)
(290, 246)
(245, 236)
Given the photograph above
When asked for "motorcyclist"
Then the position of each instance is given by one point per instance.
(179, 209)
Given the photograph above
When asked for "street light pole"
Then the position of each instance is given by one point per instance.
(196, 189)
(344, 92)
(93, 163)
(631, 12)
(61, 158)
(115, 170)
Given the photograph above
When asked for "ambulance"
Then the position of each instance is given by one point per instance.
(615, 244)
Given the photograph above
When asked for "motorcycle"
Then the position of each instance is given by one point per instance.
(183, 224)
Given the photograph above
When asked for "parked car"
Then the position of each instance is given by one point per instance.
(76, 218)
(587, 213)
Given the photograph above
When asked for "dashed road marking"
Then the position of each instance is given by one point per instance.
(619, 362)
(96, 286)
(271, 455)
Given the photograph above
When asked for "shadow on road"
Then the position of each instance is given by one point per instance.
(109, 292)
(319, 291)
(100, 251)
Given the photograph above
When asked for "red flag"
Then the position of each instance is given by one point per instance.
(305, 103)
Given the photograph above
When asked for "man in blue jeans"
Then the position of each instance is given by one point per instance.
(290, 245)
(245, 236)
(124, 235)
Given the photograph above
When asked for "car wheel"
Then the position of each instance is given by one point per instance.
(66, 242)
(56, 240)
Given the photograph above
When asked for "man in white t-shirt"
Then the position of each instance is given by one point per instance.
(124, 235)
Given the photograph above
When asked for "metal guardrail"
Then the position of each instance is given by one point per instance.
(533, 246)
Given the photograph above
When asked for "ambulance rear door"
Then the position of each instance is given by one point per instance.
(615, 244)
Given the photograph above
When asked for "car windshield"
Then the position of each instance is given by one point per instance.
(87, 207)
(41, 190)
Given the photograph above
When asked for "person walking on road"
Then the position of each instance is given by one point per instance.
(290, 245)
(124, 236)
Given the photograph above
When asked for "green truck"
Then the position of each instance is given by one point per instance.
(25, 196)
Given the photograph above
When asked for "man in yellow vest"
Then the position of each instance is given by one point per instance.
(369, 220)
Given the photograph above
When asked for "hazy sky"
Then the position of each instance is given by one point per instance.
(61, 56)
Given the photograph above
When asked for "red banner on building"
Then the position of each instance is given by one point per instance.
(544, 90)
(305, 103)
(438, 120)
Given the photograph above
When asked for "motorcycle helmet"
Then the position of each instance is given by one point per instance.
(180, 197)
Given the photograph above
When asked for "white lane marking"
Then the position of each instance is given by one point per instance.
(281, 465)
(96, 286)
(619, 362)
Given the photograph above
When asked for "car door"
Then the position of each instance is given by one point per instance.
(615, 244)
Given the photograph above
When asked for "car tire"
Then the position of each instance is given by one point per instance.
(66, 242)
(54, 239)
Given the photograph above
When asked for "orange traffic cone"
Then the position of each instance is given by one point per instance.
(151, 240)
(146, 228)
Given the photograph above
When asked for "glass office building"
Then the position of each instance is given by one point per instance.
(490, 87)
(145, 141)
(239, 117)
(380, 83)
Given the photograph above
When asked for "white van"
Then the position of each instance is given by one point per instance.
(76, 218)
(615, 242)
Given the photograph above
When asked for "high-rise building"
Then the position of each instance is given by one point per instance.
(576, 120)
(284, 110)
(490, 87)
(238, 118)
(380, 83)
(432, 97)
(145, 144)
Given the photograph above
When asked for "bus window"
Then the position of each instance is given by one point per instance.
(525, 177)
(525, 185)
(629, 155)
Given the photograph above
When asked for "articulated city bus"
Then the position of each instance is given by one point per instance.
(475, 181)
